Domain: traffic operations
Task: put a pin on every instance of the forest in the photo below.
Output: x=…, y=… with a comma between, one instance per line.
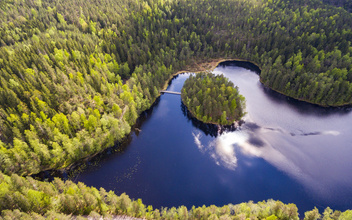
x=74, y=79
x=76, y=74
x=346, y=4
x=213, y=99
x=26, y=198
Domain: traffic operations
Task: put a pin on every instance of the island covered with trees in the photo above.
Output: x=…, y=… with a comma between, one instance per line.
x=73, y=80
x=213, y=99
x=76, y=74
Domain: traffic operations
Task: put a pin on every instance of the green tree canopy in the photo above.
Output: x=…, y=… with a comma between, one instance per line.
x=213, y=99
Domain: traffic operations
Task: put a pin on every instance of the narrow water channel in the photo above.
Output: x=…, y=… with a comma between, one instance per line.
x=286, y=150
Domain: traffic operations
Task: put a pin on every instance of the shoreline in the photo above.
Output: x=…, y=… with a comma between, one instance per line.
x=304, y=100
x=196, y=67
x=213, y=63
x=203, y=66
x=214, y=129
x=210, y=123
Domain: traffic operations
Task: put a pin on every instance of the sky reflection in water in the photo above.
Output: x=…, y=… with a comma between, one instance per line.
x=287, y=150
x=305, y=141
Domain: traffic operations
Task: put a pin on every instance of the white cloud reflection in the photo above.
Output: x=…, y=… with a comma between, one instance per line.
x=255, y=141
x=224, y=152
x=197, y=141
x=222, y=149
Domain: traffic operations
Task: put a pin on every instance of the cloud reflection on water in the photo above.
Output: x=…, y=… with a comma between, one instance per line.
x=309, y=143
x=221, y=149
x=255, y=141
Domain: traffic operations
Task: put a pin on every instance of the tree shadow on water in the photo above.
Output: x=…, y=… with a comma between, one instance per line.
x=109, y=153
x=302, y=107
x=212, y=130
x=243, y=64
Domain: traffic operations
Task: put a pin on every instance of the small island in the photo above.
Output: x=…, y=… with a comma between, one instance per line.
x=213, y=99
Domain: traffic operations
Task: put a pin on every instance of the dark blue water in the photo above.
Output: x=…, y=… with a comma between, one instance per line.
x=286, y=150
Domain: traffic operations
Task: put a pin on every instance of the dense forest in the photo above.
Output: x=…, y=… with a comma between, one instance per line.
x=75, y=74
x=213, y=99
x=27, y=198
x=346, y=4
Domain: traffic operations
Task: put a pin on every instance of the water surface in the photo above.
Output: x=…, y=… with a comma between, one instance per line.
x=286, y=150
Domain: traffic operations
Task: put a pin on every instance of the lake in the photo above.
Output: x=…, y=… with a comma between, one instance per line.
x=286, y=150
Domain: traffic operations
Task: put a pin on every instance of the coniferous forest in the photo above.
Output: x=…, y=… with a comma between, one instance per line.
x=76, y=74
x=213, y=99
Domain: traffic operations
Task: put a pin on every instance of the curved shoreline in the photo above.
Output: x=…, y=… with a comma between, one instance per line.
x=304, y=100
x=216, y=62
x=211, y=66
x=214, y=129
x=63, y=171
x=201, y=67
